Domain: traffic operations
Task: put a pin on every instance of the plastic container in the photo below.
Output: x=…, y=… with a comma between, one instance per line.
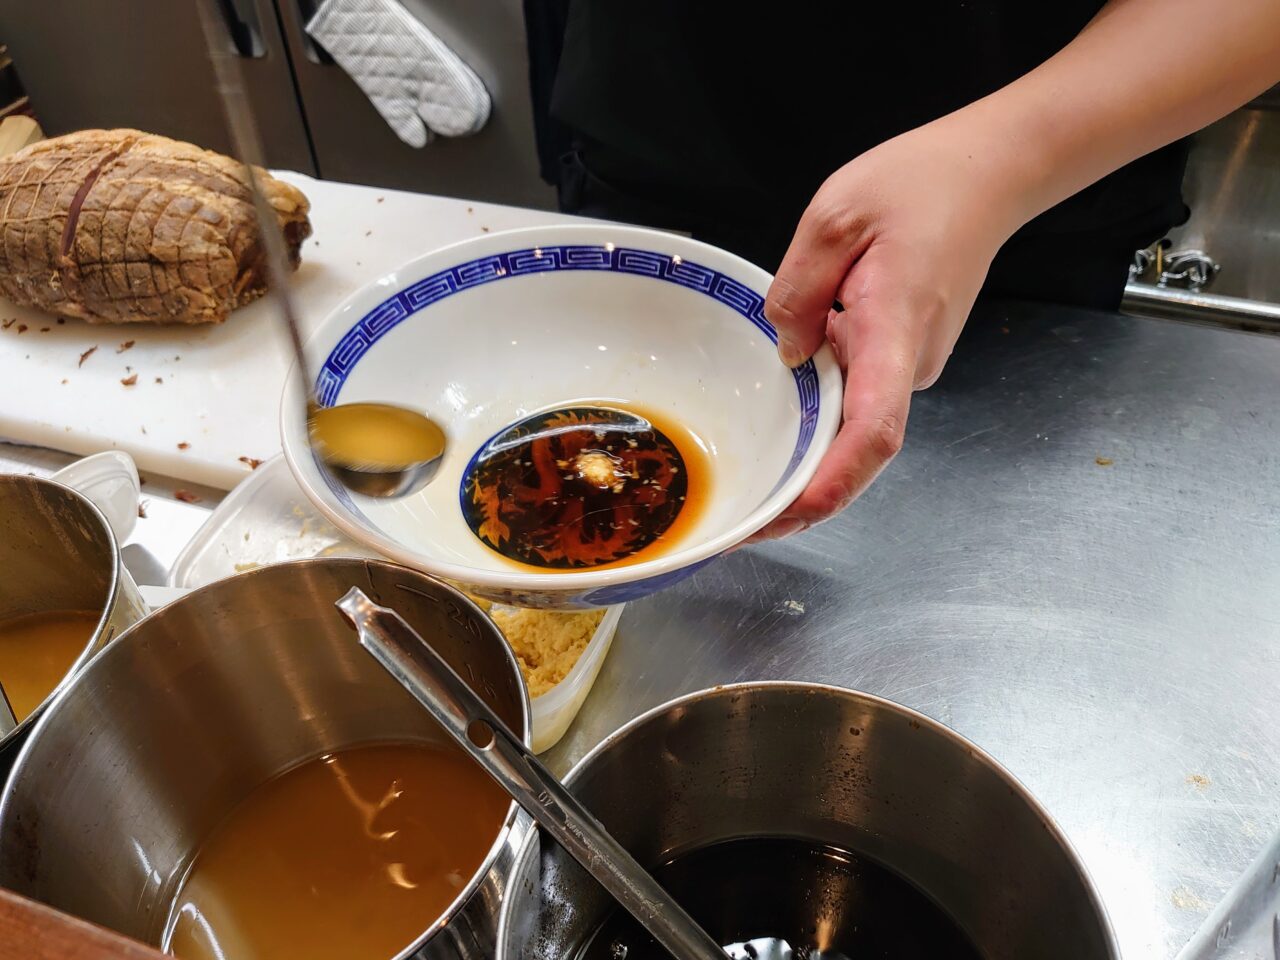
x=268, y=519
x=265, y=519
x=110, y=481
x=555, y=709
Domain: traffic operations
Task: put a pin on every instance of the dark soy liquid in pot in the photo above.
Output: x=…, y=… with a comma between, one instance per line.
x=584, y=487
x=816, y=898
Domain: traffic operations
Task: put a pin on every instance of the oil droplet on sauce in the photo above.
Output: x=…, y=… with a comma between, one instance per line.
x=349, y=856
x=585, y=487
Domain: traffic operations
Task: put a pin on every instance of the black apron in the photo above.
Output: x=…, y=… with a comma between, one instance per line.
x=721, y=119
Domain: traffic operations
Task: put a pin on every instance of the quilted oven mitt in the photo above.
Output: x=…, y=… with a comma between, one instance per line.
x=418, y=85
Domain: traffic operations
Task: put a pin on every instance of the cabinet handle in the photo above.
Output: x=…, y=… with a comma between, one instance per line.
x=241, y=18
x=313, y=51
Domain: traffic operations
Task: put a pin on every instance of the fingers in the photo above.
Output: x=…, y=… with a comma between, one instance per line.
x=779, y=529
x=936, y=350
x=877, y=398
x=836, y=329
x=827, y=241
x=881, y=344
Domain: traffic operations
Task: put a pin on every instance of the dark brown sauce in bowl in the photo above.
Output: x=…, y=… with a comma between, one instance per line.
x=585, y=487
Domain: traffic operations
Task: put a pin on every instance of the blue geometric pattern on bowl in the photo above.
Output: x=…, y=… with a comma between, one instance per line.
x=375, y=324
x=626, y=592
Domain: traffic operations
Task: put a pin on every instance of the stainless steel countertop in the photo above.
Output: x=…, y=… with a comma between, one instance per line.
x=1075, y=562
x=1110, y=633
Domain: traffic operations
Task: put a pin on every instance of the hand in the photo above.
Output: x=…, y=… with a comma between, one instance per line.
x=902, y=237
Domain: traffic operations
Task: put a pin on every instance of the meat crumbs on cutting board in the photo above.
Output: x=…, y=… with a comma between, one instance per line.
x=547, y=644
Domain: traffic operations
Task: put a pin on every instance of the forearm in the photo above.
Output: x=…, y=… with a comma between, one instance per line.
x=1142, y=74
x=903, y=235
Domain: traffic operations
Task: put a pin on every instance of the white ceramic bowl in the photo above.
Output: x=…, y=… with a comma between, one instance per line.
x=482, y=333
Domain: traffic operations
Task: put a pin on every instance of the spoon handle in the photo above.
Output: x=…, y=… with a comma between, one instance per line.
x=8, y=721
x=468, y=719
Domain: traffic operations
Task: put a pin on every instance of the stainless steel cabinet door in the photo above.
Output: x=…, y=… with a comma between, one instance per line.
x=352, y=142
x=145, y=64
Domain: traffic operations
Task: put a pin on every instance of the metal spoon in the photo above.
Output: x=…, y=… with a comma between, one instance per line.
x=377, y=449
x=477, y=729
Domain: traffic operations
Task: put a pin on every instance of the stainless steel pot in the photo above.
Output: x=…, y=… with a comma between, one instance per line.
x=186, y=713
x=827, y=765
x=57, y=552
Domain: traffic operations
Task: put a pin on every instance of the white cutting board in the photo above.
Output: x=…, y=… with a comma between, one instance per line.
x=220, y=389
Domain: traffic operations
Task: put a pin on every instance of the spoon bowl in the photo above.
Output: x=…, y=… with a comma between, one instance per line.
x=377, y=449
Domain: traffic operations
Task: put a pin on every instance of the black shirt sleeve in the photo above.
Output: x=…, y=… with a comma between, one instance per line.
x=545, y=22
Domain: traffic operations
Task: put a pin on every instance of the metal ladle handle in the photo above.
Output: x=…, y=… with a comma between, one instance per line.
x=468, y=719
x=247, y=144
x=8, y=719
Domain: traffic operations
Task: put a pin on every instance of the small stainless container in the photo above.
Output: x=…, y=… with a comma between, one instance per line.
x=57, y=552
x=827, y=765
x=185, y=714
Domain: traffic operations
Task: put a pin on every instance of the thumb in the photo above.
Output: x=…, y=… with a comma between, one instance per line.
x=825, y=246
x=401, y=117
